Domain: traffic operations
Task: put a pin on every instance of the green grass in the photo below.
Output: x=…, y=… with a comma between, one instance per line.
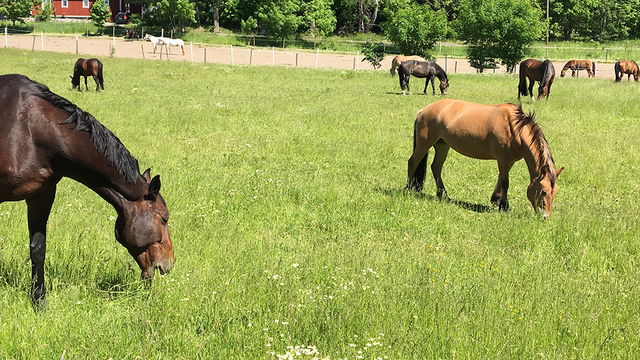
x=291, y=226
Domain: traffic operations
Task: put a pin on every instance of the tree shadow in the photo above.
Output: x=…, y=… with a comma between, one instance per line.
x=478, y=208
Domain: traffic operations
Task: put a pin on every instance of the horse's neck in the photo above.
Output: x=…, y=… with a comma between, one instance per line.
x=531, y=153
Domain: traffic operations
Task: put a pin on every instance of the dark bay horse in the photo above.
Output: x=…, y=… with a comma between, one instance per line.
x=43, y=138
x=402, y=58
x=499, y=132
x=91, y=67
x=628, y=67
x=542, y=71
x=422, y=69
x=576, y=65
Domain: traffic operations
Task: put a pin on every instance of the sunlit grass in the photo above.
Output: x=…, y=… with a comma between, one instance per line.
x=291, y=226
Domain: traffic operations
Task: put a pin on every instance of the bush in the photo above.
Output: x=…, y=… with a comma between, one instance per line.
x=373, y=53
x=46, y=12
x=416, y=29
x=100, y=13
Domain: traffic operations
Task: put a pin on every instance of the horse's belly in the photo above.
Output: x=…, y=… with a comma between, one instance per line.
x=476, y=148
x=15, y=186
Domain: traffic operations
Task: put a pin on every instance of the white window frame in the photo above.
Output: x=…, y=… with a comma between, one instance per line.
x=85, y=4
x=65, y=3
x=106, y=2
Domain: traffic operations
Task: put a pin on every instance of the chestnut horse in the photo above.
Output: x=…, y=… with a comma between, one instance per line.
x=542, y=71
x=43, y=138
x=576, y=65
x=628, y=67
x=499, y=132
x=91, y=67
x=402, y=58
x=422, y=69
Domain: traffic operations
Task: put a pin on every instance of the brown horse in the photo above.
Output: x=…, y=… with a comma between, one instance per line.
x=91, y=67
x=628, y=67
x=422, y=69
x=500, y=132
x=43, y=138
x=402, y=58
x=542, y=71
x=576, y=65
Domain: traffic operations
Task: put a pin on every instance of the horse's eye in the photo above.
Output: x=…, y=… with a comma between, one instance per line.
x=165, y=221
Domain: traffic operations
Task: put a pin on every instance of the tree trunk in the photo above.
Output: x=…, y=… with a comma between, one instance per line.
x=374, y=15
x=216, y=17
x=361, y=16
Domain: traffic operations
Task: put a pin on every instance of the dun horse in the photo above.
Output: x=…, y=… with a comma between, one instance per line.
x=402, y=58
x=544, y=72
x=576, y=65
x=628, y=67
x=43, y=138
x=422, y=69
x=500, y=132
x=91, y=67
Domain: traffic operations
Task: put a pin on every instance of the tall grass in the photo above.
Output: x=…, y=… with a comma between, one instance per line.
x=291, y=226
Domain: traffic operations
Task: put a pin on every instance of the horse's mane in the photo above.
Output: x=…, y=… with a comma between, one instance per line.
x=439, y=70
x=542, y=153
x=102, y=138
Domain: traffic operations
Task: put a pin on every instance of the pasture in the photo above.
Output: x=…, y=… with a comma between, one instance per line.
x=291, y=227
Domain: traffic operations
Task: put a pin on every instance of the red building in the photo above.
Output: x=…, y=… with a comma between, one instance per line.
x=80, y=8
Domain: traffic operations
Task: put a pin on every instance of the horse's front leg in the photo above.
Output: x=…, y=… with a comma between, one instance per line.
x=442, y=149
x=426, y=83
x=531, y=84
x=433, y=86
x=85, y=83
x=38, y=209
x=499, y=196
x=95, y=78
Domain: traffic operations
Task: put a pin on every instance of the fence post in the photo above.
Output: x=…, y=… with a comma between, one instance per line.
x=456, y=68
x=205, y=55
x=41, y=40
x=232, y=59
x=273, y=55
x=296, y=59
x=143, y=32
x=162, y=33
x=33, y=46
x=76, y=44
x=354, y=63
x=6, y=37
x=142, y=48
x=167, y=47
x=316, y=58
x=250, y=56
x=113, y=31
x=161, y=49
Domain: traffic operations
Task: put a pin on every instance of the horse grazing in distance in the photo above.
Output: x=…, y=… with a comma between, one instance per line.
x=499, y=132
x=130, y=34
x=43, y=138
x=91, y=67
x=154, y=40
x=628, y=67
x=422, y=69
x=542, y=71
x=576, y=65
x=402, y=58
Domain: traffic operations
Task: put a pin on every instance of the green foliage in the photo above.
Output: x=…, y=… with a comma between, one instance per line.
x=100, y=13
x=172, y=14
x=15, y=10
x=416, y=29
x=319, y=17
x=373, y=53
x=280, y=18
x=45, y=12
x=499, y=29
x=249, y=26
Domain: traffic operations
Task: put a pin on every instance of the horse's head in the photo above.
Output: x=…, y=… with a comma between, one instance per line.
x=142, y=228
x=564, y=71
x=146, y=37
x=75, y=81
x=444, y=85
x=542, y=191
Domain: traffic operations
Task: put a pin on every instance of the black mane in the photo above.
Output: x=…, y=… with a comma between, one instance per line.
x=538, y=141
x=104, y=140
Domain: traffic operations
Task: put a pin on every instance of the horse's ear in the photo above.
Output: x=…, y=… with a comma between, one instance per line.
x=154, y=187
x=147, y=175
x=558, y=172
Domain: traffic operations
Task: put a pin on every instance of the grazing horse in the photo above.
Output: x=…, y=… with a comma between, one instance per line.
x=174, y=42
x=91, y=67
x=154, y=40
x=628, y=67
x=544, y=72
x=130, y=34
x=422, y=69
x=500, y=132
x=395, y=63
x=43, y=138
x=576, y=65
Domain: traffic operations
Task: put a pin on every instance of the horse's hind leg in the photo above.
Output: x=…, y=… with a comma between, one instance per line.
x=85, y=83
x=531, y=85
x=442, y=149
x=499, y=196
x=417, y=164
x=95, y=78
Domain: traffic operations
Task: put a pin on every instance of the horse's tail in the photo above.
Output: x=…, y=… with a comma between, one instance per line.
x=394, y=65
x=616, y=69
x=417, y=181
x=100, y=78
x=522, y=85
x=593, y=68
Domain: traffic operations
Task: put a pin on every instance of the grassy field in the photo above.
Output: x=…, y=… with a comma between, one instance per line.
x=291, y=227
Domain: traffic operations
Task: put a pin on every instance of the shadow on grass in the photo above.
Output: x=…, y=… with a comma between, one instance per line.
x=478, y=208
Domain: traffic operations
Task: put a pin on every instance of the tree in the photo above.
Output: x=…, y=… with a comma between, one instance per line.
x=100, y=13
x=175, y=14
x=15, y=10
x=356, y=15
x=373, y=53
x=499, y=29
x=45, y=12
x=319, y=17
x=416, y=29
x=280, y=18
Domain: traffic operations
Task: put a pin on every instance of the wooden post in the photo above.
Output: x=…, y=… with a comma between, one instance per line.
x=76, y=44
x=6, y=37
x=171, y=34
x=456, y=68
x=250, y=56
x=232, y=60
x=162, y=33
x=296, y=59
x=113, y=31
x=142, y=48
x=354, y=63
x=33, y=46
x=167, y=47
x=161, y=50
x=205, y=55
x=143, y=32
x=273, y=55
x=316, y=58
x=110, y=50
